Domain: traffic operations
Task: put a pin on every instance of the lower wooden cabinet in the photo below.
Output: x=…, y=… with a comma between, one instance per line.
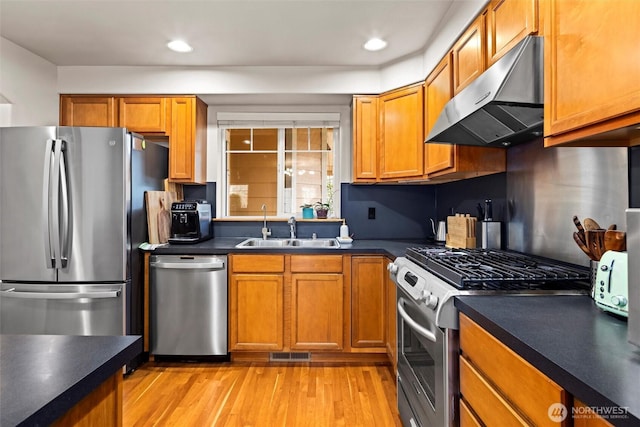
x=368, y=296
x=392, y=331
x=501, y=388
x=101, y=407
x=328, y=304
x=317, y=312
x=257, y=312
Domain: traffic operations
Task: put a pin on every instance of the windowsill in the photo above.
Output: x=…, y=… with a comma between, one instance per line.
x=272, y=219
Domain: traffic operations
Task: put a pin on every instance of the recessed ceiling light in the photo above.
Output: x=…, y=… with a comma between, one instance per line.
x=375, y=44
x=179, y=46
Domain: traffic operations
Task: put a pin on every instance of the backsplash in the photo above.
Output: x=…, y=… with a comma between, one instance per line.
x=547, y=186
x=401, y=211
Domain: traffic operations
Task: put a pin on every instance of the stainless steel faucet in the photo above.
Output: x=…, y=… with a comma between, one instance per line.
x=265, y=231
x=292, y=227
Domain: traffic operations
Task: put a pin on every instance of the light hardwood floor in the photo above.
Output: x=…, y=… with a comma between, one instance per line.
x=260, y=394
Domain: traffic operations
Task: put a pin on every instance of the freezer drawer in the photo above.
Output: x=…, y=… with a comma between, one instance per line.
x=62, y=309
x=188, y=305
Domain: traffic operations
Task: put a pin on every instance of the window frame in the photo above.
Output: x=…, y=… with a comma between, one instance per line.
x=281, y=126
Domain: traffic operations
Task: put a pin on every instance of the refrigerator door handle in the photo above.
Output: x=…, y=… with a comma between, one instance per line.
x=11, y=293
x=46, y=201
x=54, y=204
x=66, y=230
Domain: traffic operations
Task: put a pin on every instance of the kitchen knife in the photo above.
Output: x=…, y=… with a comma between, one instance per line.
x=582, y=245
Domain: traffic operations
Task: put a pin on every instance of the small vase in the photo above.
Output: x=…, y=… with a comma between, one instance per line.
x=322, y=213
x=307, y=213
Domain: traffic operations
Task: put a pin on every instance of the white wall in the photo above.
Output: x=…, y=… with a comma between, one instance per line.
x=29, y=84
x=221, y=80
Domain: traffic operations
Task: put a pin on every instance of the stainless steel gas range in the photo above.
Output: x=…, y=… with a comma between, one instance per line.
x=428, y=279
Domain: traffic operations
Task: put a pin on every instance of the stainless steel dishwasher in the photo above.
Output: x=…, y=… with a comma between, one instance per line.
x=188, y=305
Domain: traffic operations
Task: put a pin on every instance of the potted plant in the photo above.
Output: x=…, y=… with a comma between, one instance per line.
x=322, y=209
x=307, y=211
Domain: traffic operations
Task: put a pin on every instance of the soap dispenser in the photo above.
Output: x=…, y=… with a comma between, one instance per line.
x=344, y=230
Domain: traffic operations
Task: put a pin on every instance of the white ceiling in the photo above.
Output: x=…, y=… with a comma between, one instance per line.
x=222, y=32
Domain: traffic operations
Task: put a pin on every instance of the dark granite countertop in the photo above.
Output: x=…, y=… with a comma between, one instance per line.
x=580, y=347
x=43, y=376
x=226, y=245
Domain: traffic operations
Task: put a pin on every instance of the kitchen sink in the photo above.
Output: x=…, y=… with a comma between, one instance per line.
x=256, y=242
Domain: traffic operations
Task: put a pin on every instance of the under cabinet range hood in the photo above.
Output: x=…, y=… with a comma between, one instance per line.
x=503, y=106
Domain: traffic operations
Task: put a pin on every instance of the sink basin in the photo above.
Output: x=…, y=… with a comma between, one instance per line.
x=261, y=243
x=315, y=243
x=256, y=242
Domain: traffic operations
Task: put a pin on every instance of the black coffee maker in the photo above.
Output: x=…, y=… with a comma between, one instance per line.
x=190, y=221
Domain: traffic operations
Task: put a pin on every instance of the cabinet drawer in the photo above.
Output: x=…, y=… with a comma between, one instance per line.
x=527, y=388
x=316, y=263
x=467, y=417
x=257, y=263
x=490, y=406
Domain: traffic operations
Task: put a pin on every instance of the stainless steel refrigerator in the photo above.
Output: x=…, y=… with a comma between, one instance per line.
x=71, y=218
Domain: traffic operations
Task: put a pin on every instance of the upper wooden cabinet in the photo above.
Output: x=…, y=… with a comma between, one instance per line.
x=591, y=69
x=188, y=140
x=143, y=114
x=365, y=138
x=469, y=54
x=401, y=134
x=182, y=119
x=446, y=162
x=508, y=22
x=88, y=111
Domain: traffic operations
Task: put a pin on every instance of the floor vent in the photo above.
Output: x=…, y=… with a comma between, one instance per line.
x=290, y=357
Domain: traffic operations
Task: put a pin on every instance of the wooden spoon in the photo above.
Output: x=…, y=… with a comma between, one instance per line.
x=580, y=228
x=615, y=240
x=582, y=245
x=595, y=242
x=590, y=224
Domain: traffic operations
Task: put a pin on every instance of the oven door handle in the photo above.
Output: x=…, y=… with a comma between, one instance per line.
x=414, y=325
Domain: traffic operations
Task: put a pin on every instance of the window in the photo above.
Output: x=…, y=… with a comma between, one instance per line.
x=281, y=167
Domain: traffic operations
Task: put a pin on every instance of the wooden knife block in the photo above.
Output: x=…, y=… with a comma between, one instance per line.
x=461, y=231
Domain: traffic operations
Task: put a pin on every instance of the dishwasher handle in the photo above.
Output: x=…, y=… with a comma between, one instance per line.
x=214, y=264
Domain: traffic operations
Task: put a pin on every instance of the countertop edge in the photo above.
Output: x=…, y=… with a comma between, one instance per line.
x=565, y=379
x=73, y=395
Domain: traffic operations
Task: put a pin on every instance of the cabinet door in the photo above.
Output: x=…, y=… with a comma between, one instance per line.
x=87, y=111
x=591, y=67
x=143, y=114
x=439, y=89
x=317, y=312
x=368, y=297
x=188, y=140
x=392, y=345
x=469, y=55
x=401, y=133
x=256, y=315
x=590, y=420
x=508, y=22
x=365, y=138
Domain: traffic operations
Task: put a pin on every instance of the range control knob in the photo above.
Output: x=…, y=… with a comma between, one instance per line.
x=619, y=300
x=430, y=300
x=392, y=268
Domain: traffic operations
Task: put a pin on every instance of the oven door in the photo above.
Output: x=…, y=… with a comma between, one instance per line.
x=422, y=391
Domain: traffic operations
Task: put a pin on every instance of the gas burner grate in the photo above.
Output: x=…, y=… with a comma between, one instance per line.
x=496, y=270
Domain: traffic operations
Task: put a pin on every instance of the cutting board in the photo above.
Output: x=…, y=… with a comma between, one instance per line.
x=159, y=215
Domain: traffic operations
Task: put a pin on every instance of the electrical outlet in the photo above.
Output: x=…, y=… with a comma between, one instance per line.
x=372, y=213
